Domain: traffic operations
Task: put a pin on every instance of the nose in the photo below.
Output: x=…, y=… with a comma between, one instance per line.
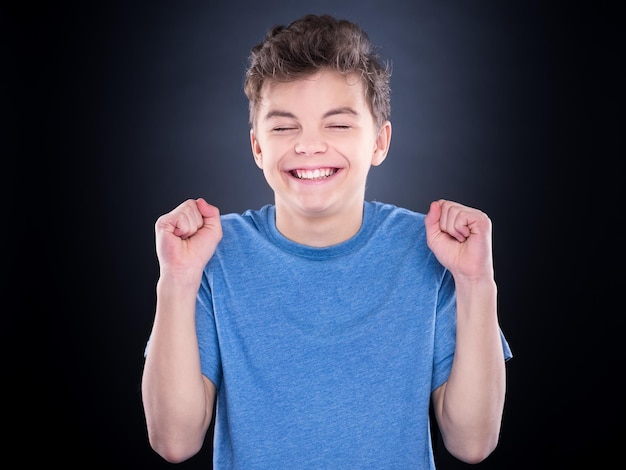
x=310, y=143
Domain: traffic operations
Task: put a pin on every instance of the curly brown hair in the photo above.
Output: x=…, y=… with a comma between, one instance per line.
x=314, y=42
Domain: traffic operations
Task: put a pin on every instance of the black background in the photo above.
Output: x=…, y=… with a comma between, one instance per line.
x=114, y=112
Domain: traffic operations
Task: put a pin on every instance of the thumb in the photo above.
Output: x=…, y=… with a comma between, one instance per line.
x=206, y=209
x=210, y=218
x=431, y=221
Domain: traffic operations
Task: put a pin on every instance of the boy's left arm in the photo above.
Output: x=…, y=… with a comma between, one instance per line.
x=469, y=406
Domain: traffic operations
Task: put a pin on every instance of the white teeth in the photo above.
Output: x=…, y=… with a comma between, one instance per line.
x=314, y=174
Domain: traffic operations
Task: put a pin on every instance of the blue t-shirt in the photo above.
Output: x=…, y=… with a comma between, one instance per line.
x=325, y=358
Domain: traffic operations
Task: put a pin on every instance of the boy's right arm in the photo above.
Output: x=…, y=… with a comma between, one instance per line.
x=177, y=398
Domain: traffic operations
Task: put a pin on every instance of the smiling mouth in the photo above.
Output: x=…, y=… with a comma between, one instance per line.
x=317, y=174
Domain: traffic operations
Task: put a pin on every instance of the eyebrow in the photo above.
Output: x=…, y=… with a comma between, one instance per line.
x=332, y=112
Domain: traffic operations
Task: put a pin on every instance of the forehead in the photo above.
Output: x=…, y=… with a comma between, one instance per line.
x=326, y=87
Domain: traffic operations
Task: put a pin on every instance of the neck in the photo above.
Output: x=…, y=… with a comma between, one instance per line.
x=319, y=230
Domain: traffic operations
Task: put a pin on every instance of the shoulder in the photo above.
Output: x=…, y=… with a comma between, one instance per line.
x=390, y=215
x=388, y=208
x=247, y=220
x=396, y=228
x=245, y=230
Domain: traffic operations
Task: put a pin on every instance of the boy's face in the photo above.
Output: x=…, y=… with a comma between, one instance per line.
x=315, y=140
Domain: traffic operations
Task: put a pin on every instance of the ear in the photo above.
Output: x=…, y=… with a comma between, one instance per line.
x=381, y=146
x=256, y=150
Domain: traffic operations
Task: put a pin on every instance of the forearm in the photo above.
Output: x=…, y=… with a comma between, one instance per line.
x=177, y=406
x=471, y=409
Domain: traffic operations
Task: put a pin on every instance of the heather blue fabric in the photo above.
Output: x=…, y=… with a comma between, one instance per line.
x=325, y=357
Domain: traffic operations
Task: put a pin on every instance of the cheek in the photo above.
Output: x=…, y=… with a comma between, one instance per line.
x=362, y=156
